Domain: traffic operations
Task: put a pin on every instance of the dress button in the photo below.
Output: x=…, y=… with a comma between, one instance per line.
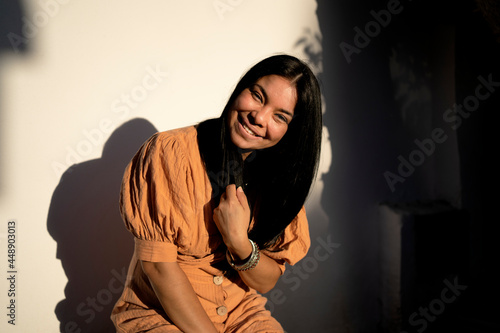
x=222, y=310
x=218, y=280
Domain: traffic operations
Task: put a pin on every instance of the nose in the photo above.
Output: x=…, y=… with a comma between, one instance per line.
x=260, y=117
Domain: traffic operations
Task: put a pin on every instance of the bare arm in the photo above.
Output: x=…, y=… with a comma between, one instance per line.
x=232, y=217
x=177, y=296
x=262, y=277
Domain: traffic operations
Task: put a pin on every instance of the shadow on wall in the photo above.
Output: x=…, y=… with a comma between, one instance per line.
x=12, y=35
x=92, y=243
x=11, y=14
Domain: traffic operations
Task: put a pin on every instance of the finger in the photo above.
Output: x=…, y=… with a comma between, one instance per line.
x=242, y=198
x=231, y=191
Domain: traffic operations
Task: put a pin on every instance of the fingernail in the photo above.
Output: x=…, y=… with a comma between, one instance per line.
x=240, y=189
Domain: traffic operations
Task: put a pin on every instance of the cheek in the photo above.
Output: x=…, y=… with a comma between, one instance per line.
x=278, y=131
x=244, y=102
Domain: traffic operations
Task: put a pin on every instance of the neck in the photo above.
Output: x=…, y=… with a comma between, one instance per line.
x=245, y=153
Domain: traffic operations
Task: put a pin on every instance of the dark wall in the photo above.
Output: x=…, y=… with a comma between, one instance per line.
x=478, y=60
x=382, y=94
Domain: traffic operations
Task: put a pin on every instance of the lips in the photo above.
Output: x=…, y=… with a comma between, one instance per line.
x=247, y=129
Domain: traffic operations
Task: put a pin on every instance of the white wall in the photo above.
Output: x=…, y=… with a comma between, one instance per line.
x=87, y=70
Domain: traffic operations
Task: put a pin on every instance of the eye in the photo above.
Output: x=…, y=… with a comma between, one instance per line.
x=282, y=118
x=256, y=95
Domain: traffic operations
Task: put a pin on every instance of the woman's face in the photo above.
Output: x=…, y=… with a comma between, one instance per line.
x=260, y=115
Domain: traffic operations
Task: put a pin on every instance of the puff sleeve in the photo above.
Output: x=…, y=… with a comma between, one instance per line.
x=294, y=243
x=154, y=202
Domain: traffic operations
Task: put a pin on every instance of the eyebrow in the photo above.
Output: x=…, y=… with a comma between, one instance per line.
x=265, y=97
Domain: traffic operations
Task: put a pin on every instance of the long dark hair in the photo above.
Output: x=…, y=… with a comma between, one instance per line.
x=276, y=180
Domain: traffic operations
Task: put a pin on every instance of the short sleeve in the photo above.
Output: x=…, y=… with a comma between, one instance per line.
x=293, y=244
x=153, y=201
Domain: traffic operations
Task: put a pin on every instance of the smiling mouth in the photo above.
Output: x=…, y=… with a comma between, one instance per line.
x=248, y=130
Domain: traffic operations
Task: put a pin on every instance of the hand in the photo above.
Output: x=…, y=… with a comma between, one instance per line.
x=232, y=218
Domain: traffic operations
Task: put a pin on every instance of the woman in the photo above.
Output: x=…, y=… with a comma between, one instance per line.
x=217, y=209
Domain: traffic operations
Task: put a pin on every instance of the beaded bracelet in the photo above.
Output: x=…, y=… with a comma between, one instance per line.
x=251, y=262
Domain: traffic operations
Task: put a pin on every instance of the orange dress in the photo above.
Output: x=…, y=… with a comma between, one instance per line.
x=166, y=204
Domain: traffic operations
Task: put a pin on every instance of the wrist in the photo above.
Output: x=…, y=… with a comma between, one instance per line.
x=240, y=250
x=249, y=263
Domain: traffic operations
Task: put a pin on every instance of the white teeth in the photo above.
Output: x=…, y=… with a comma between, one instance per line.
x=249, y=130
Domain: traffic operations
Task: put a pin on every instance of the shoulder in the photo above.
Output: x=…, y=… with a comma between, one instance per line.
x=180, y=136
x=177, y=143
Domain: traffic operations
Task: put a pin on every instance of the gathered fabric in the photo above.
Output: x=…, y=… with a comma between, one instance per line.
x=166, y=204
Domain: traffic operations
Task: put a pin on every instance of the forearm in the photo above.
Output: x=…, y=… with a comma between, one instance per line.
x=232, y=218
x=263, y=276
x=177, y=297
